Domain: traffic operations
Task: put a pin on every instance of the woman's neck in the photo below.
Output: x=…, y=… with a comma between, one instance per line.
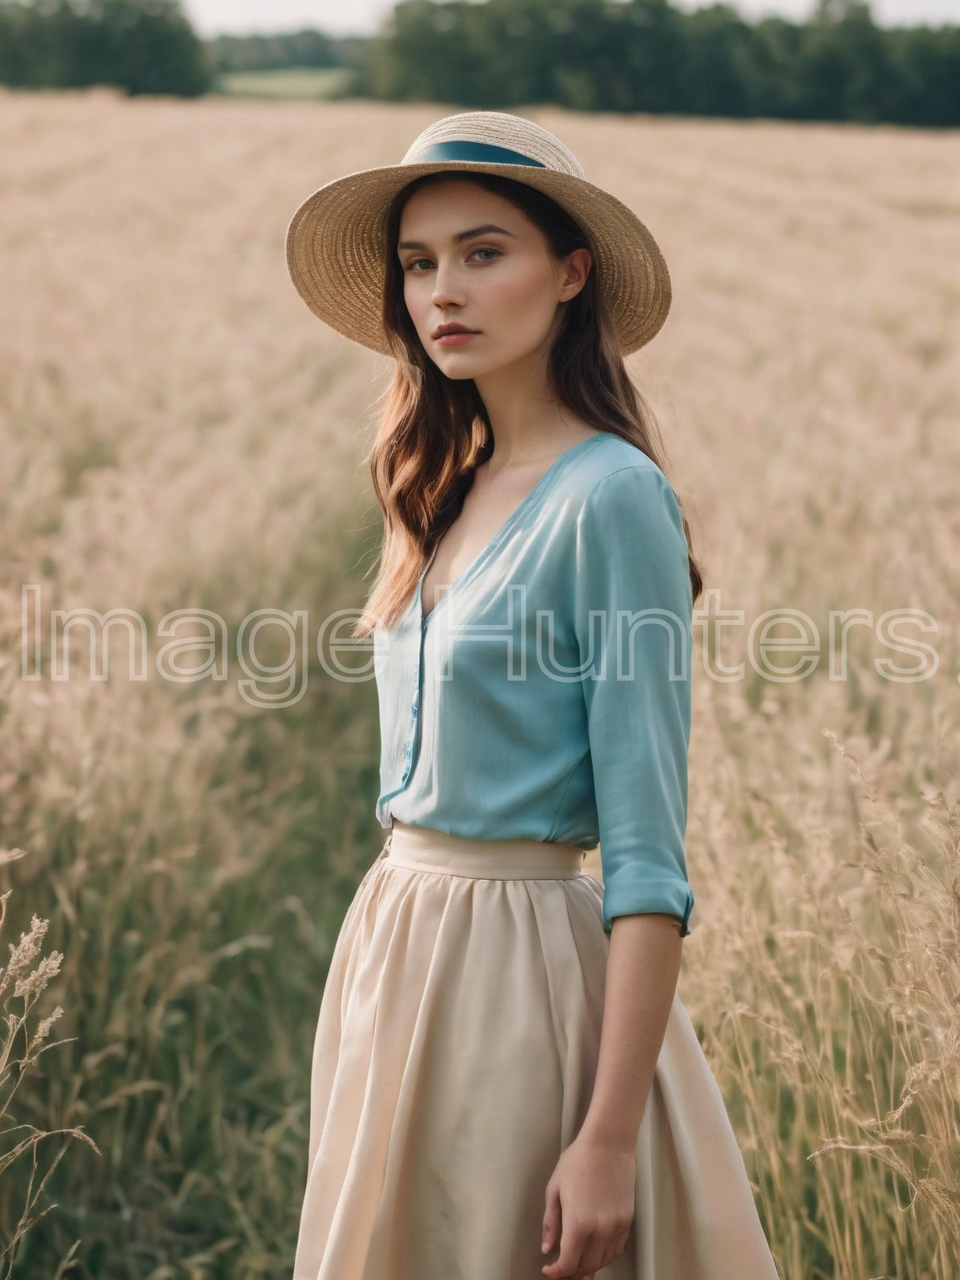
x=526, y=418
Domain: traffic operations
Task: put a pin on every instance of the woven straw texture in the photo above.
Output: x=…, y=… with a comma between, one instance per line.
x=336, y=243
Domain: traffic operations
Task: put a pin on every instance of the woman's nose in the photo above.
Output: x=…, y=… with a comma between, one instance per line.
x=447, y=287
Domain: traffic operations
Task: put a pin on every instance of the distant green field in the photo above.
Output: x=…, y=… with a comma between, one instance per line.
x=288, y=82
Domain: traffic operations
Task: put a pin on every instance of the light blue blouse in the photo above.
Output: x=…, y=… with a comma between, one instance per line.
x=547, y=693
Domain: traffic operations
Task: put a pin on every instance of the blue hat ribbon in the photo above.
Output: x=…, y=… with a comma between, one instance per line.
x=477, y=152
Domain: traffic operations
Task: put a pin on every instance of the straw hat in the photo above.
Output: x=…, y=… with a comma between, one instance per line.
x=336, y=241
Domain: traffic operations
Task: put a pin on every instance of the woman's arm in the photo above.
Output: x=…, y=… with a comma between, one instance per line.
x=643, y=966
x=632, y=609
x=594, y=1181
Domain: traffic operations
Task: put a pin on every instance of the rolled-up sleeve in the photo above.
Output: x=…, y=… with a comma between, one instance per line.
x=632, y=617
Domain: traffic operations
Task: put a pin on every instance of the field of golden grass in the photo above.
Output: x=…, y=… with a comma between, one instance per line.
x=176, y=431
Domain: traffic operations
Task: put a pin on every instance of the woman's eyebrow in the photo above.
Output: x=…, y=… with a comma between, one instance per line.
x=485, y=230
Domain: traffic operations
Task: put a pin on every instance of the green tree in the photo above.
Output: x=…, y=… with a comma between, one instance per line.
x=926, y=76
x=142, y=46
x=722, y=63
x=846, y=71
x=586, y=54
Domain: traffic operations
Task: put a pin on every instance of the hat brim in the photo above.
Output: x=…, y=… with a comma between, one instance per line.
x=335, y=248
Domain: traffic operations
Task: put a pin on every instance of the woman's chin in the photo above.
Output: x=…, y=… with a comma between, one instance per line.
x=459, y=367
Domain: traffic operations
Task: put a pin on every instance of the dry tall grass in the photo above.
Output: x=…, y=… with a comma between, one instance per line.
x=24, y=1040
x=175, y=430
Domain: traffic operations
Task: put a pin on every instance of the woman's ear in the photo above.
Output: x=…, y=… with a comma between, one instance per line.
x=576, y=268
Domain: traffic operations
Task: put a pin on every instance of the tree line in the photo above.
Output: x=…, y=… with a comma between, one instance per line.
x=588, y=55
x=286, y=49
x=647, y=56
x=142, y=46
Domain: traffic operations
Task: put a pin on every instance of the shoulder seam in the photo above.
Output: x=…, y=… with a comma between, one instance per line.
x=645, y=466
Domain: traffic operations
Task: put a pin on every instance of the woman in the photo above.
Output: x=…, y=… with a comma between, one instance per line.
x=505, y=1083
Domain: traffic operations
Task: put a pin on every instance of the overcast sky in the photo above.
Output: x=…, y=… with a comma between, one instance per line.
x=362, y=16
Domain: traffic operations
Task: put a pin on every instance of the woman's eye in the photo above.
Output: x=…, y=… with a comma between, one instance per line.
x=494, y=253
x=418, y=264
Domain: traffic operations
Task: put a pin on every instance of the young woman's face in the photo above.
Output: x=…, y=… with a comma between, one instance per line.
x=479, y=280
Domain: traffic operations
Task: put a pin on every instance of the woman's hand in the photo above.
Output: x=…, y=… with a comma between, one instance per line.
x=590, y=1204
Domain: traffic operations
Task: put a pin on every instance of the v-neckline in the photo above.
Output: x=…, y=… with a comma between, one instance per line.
x=501, y=532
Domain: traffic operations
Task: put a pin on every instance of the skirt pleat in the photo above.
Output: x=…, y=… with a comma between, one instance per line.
x=454, y=1060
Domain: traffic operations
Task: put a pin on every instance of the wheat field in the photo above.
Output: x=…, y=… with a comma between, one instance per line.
x=176, y=431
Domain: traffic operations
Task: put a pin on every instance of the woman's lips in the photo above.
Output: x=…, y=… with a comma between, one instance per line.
x=457, y=339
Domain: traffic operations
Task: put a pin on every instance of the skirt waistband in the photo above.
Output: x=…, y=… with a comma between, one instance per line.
x=425, y=849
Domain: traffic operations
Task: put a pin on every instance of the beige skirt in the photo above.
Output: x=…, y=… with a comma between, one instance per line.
x=454, y=1059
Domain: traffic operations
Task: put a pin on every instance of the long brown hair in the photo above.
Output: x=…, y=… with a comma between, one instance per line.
x=434, y=430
